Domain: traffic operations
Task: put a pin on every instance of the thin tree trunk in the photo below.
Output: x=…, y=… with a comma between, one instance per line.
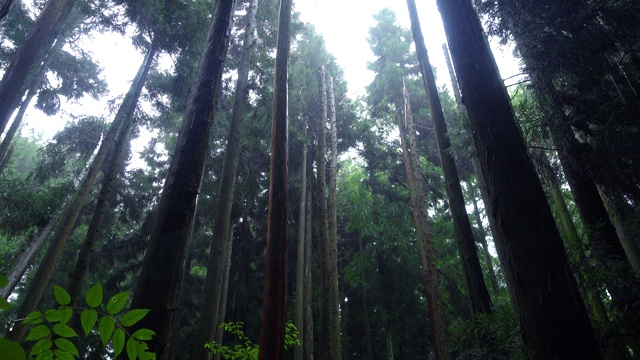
x=173, y=347
x=40, y=281
x=88, y=245
x=222, y=312
x=5, y=6
x=275, y=288
x=325, y=300
x=417, y=194
x=159, y=278
x=4, y=161
x=368, y=344
x=28, y=52
x=552, y=314
x=335, y=347
x=483, y=241
x=307, y=341
x=301, y=261
x=477, y=293
x=208, y=321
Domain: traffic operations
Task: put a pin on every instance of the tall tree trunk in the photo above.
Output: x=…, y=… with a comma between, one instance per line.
x=477, y=293
x=307, y=341
x=158, y=282
x=552, y=314
x=275, y=288
x=301, y=261
x=226, y=273
x=173, y=347
x=483, y=241
x=208, y=321
x=323, y=251
x=28, y=52
x=5, y=6
x=121, y=121
x=417, y=193
x=88, y=245
x=365, y=307
x=335, y=347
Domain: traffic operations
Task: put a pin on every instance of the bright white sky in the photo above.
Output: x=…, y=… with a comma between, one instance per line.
x=343, y=23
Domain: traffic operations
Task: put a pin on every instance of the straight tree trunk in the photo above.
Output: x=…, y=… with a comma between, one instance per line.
x=5, y=6
x=368, y=344
x=335, y=348
x=173, y=348
x=208, y=321
x=222, y=312
x=274, y=306
x=323, y=251
x=307, y=341
x=16, y=74
x=552, y=314
x=45, y=270
x=88, y=245
x=477, y=293
x=483, y=241
x=301, y=261
x=158, y=283
x=417, y=193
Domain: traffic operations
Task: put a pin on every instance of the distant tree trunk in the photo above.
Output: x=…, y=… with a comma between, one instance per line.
x=552, y=314
x=28, y=52
x=477, y=293
x=365, y=307
x=121, y=121
x=158, y=282
x=173, y=348
x=5, y=6
x=417, y=193
x=275, y=288
x=122, y=140
x=335, y=347
x=208, y=321
x=325, y=300
x=483, y=241
x=226, y=273
x=4, y=161
x=307, y=341
x=302, y=236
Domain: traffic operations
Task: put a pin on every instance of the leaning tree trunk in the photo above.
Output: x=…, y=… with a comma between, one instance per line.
x=274, y=306
x=417, y=193
x=71, y=213
x=158, y=283
x=28, y=52
x=208, y=321
x=323, y=250
x=335, y=348
x=552, y=314
x=477, y=293
x=300, y=260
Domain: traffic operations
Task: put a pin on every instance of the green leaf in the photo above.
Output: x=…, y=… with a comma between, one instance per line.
x=62, y=296
x=33, y=318
x=61, y=315
x=38, y=333
x=133, y=316
x=11, y=350
x=88, y=320
x=3, y=281
x=118, y=341
x=105, y=327
x=47, y=355
x=132, y=349
x=64, y=331
x=66, y=345
x=40, y=347
x=4, y=304
x=143, y=334
x=61, y=354
x=94, y=296
x=117, y=302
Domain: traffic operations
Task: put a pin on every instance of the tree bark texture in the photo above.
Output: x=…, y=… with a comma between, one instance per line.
x=482, y=235
x=368, y=344
x=307, y=341
x=552, y=314
x=477, y=293
x=16, y=74
x=301, y=261
x=274, y=306
x=158, y=282
x=323, y=249
x=208, y=321
x=121, y=121
x=332, y=224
